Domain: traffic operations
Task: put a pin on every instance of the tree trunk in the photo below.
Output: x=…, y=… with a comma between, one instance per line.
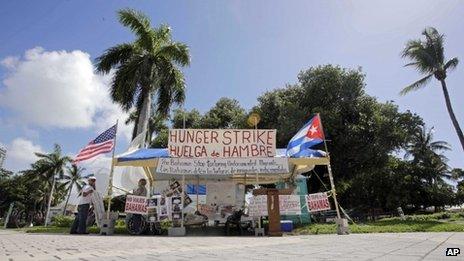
x=144, y=115
x=69, y=195
x=451, y=113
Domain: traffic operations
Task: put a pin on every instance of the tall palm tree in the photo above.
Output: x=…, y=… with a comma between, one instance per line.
x=429, y=59
x=73, y=177
x=49, y=165
x=146, y=67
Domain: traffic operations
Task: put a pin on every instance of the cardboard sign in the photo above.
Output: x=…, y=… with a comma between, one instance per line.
x=220, y=166
x=227, y=143
x=136, y=204
x=288, y=205
x=318, y=202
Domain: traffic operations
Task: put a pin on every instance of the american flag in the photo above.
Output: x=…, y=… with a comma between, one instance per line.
x=102, y=144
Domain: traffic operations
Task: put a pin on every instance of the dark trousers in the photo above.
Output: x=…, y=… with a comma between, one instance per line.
x=79, y=225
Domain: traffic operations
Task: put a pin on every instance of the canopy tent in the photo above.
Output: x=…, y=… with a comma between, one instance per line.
x=148, y=160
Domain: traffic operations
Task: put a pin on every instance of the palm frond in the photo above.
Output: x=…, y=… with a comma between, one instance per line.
x=434, y=44
x=125, y=83
x=440, y=145
x=114, y=56
x=139, y=23
x=177, y=52
x=416, y=85
x=451, y=64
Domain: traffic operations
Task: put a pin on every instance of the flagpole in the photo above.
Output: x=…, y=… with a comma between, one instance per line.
x=110, y=181
x=329, y=168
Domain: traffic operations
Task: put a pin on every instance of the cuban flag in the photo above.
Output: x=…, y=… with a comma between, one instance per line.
x=310, y=135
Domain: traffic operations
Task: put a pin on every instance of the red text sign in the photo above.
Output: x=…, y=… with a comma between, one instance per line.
x=318, y=202
x=136, y=204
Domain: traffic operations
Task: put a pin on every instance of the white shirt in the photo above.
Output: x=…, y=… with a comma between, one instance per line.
x=86, y=199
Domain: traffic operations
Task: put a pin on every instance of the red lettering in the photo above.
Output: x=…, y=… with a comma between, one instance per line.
x=254, y=150
x=234, y=152
x=226, y=152
x=270, y=151
x=262, y=150
x=173, y=136
x=270, y=137
x=260, y=140
x=214, y=137
x=226, y=137
x=246, y=136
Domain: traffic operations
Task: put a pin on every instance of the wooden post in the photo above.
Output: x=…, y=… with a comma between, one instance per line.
x=273, y=208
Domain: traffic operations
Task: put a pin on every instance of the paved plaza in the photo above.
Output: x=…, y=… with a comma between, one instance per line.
x=406, y=246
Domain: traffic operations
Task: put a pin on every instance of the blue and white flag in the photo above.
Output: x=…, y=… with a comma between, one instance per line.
x=310, y=135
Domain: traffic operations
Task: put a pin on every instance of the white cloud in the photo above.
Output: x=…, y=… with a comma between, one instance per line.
x=59, y=89
x=20, y=153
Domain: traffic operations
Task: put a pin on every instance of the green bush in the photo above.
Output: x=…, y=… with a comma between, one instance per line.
x=62, y=221
x=120, y=223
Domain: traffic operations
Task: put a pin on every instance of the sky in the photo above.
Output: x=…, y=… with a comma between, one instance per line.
x=49, y=92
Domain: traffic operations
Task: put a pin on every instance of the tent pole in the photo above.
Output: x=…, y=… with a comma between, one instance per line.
x=182, y=202
x=198, y=188
x=110, y=181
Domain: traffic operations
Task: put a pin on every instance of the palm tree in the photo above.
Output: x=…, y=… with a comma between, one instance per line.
x=427, y=155
x=49, y=166
x=428, y=58
x=73, y=177
x=146, y=67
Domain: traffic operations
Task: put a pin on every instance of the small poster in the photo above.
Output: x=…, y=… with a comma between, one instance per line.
x=176, y=209
x=318, y=202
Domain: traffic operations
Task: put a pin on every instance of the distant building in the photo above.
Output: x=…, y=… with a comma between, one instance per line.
x=2, y=156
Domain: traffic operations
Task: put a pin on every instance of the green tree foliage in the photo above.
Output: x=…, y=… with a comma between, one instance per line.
x=363, y=135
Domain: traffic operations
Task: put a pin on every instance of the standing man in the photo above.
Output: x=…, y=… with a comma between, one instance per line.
x=79, y=225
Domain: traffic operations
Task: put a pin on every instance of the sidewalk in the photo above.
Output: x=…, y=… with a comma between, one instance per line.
x=405, y=246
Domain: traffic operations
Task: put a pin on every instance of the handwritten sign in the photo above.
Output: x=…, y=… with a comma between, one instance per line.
x=318, y=202
x=227, y=143
x=220, y=166
x=288, y=205
x=136, y=204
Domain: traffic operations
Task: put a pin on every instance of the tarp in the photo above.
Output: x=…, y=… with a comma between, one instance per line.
x=153, y=153
x=144, y=154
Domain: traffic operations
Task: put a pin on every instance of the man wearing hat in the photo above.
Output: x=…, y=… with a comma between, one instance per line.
x=79, y=225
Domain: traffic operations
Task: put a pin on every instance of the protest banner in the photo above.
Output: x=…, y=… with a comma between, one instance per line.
x=288, y=205
x=220, y=166
x=136, y=204
x=216, y=143
x=317, y=202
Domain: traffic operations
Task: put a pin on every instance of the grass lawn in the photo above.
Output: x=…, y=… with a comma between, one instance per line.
x=436, y=222
x=385, y=226
x=65, y=230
